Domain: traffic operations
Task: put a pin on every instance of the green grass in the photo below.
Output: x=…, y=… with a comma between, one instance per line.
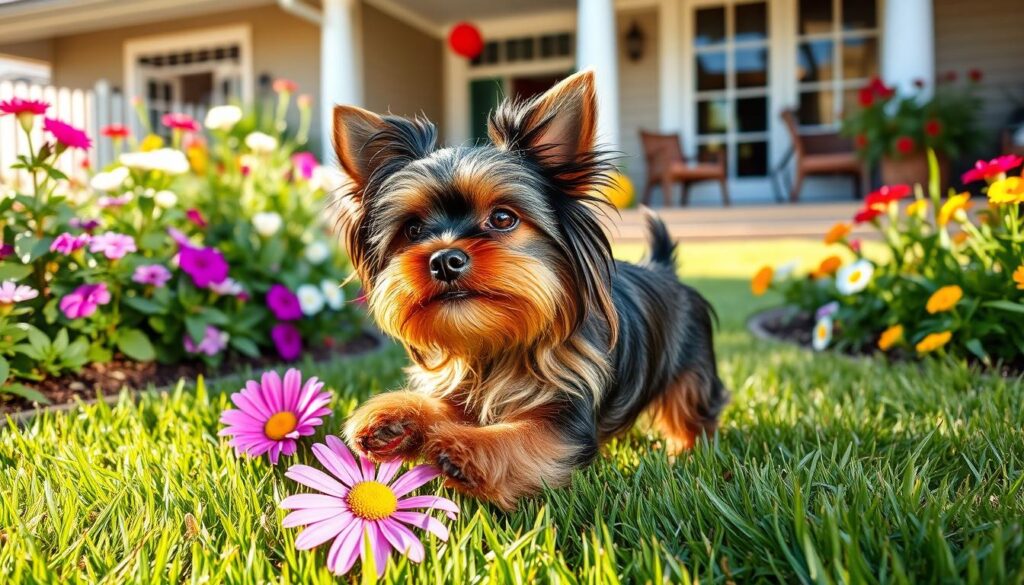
x=826, y=470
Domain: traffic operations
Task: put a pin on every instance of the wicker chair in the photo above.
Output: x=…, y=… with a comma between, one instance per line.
x=821, y=154
x=667, y=166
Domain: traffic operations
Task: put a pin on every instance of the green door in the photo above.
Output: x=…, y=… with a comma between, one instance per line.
x=484, y=95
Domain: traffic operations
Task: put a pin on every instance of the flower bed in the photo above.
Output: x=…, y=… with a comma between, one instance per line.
x=953, y=282
x=205, y=249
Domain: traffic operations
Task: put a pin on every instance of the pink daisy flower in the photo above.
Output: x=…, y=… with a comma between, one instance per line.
x=183, y=122
x=984, y=170
x=113, y=245
x=356, y=500
x=273, y=413
x=19, y=106
x=67, y=134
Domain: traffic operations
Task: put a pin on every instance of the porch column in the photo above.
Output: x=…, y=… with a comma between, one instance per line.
x=596, y=48
x=908, y=44
x=341, y=74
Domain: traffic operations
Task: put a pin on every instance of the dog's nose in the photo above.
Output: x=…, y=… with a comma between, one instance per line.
x=448, y=265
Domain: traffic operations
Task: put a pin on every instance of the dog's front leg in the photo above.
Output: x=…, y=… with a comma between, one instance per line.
x=394, y=424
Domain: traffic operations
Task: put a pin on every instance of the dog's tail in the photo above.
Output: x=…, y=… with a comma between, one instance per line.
x=663, y=249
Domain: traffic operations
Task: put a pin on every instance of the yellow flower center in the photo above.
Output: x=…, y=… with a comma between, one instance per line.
x=280, y=425
x=855, y=276
x=822, y=332
x=372, y=500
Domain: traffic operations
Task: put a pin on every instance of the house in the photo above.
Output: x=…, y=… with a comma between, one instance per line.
x=718, y=72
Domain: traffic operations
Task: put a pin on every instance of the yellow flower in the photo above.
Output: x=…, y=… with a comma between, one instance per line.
x=944, y=299
x=838, y=233
x=1018, y=277
x=151, y=142
x=933, y=341
x=827, y=267
x=762, y=280
x=618, y=191
x=917, y=208
x=959, y=238
x=1006, y=191
x=953, y=205
x=890, y=337
x=197, y=158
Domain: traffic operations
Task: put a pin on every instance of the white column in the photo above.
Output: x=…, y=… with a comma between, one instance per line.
x=596, y=48
x=670, y=53
x=341, y=66
x=456, y=97
x=908, y=44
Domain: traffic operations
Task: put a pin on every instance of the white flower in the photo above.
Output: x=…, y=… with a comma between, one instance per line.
x=822, y=334
x=168, y=160
x=261, y=143
x=110, y=180
x=223, y=117
x=266, y=223
x=855, y=277
x=229, y=287
x=328, y=179
x=317, y=252
x=165, y=199
x=311, y=300
x=785, y=270
x=333, y=293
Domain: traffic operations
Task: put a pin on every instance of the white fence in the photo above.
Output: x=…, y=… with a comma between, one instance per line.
x=89, y=110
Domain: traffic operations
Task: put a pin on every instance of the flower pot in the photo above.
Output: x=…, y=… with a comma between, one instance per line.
x=913, y=169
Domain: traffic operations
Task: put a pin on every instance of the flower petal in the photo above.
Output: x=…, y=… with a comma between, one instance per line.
x=381, y=549
x=423, y=521
x=387, y=470
x=343, y=553
x=416, y=477
x=300, y=501
x=320, y=532
x=430, y=502
x=316, y=479
x=292, y=385
x=402, y=539
x=271, y=385
x=368, y=467
x=336, y=464
x=311, y=515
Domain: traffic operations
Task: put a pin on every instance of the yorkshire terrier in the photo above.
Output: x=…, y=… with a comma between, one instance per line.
x=530, y=345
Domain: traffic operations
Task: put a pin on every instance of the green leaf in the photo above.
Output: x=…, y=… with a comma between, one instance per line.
x=1005, y=306
x=25, y=392
x=5, y=369
x=134, y=344
x=196, y=327
x=246, y=346
x=144, y=305
x=55, y=174
x=975, y=347
x=14, y=271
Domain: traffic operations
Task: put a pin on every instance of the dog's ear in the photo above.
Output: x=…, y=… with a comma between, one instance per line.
x=556, y=127
x=368, y=145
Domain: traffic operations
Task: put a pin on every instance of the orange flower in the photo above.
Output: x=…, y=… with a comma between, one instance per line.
x=933, y=341
x=917, y=208
x=1018, y=277
x=827, y=267
x=838, y=233
x=953, y=206
x=944, y=299
x=890, y=337
x=959, y=238
x=762, y=280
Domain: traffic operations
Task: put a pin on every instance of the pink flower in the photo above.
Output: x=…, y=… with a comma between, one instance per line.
x=106, y=202
x=984, y=170
x=305, y=163
x=196, y=217
x=213, y=342
x=356, y=500
x=6, y=251
x=205, y=265
x=287, y=340
x=11, y=293
x=179, y=237
x=151, y=274
x=18, y=106
x=182, y=122
x=67, y=134
x=283, y=303
x=83, y=301
x=283, y=85
x=273, y=413
x=113, y=245
x=115, y=131
x=66, y=243
x=227, y=287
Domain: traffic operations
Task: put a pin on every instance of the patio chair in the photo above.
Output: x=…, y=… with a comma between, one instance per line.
x=667, y=166
x=818, y=154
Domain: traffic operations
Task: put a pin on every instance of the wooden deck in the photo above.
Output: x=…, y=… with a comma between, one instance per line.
x=805, y=220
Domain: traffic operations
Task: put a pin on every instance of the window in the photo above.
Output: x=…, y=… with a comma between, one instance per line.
x=837, y=53
x=521, y=49
x=730, y=48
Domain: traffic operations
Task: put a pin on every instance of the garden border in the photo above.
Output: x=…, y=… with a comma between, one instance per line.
x=24, y=417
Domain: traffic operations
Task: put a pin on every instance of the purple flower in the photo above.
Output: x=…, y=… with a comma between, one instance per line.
x=305, y=163
x=196, y=217
x=5, y=251
x=827, y=310
x=287, y=340
x=67, y=243
x=213, y=342
x=84, y=224
x=179, y=237
x=283, y=303
x=206, y=266
x=152, y=274
x=113, y=245
x=83, y=301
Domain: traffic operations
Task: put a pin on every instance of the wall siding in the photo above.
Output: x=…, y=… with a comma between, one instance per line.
x=638, y=92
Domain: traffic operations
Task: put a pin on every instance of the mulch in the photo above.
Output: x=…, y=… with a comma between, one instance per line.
x=109, y=378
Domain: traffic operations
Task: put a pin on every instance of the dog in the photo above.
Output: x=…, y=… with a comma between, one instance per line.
x=530, y=346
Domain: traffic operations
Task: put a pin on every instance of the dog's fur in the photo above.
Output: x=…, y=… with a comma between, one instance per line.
x=546, y=346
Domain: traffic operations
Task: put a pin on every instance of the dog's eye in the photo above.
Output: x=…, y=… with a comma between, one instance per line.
x=414, y=229
x=502, y=220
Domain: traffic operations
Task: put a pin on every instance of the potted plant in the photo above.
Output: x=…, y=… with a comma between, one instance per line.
x=896, y=130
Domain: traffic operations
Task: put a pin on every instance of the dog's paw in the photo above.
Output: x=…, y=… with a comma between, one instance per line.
x=453, y=471
x=385, y=433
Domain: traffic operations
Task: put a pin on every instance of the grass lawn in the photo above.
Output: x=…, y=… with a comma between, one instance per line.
x=826, y=470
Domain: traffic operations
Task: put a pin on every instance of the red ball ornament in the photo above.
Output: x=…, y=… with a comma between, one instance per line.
x=465, y=40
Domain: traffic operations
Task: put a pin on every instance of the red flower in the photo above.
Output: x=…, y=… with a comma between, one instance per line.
x=865, y=97
x=115, y=131
x=196, y=217
x=975, y=75
x=67, y=134
x=933, y=127
x=949, y=76
x=184, y=122
x=18, y=106
x=905, y=145
x=283, y=85
x=877, y=203
x=987, y=169
x=861, y=140
x=879, y=88
x=866, y=215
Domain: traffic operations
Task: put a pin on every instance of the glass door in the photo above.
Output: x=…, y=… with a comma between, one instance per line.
x=730, y=49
